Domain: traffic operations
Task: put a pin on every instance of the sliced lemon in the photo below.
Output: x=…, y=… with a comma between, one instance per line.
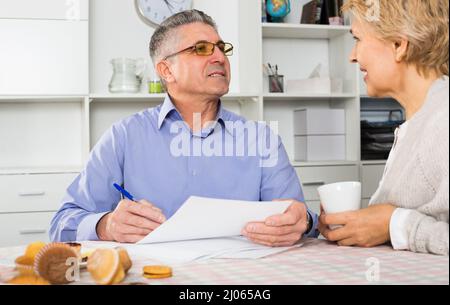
x=119, y=276
x=103, y=265
x=124, y=258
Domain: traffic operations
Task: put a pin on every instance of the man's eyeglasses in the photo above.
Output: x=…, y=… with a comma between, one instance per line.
x=206, y=48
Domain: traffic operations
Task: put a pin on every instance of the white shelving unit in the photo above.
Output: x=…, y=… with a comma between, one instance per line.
x=297, y=49
x=55, y=104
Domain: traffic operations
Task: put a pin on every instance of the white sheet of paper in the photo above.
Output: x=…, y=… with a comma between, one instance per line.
x=180, y=252
x=201, y=217
x=190, y=250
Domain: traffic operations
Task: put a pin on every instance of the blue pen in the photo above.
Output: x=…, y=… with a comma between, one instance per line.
x=124, y=192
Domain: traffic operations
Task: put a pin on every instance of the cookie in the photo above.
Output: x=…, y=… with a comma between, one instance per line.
x=157, y=276
x=157, y=271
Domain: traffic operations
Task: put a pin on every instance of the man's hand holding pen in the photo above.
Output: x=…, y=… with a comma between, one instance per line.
x=131, y=220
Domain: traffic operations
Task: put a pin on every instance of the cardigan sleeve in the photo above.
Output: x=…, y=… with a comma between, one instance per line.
x=425, y=233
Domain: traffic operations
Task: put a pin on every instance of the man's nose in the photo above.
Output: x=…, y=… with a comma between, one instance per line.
x=218, y=56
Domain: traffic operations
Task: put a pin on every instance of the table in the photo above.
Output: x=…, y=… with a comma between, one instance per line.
x=316, y=262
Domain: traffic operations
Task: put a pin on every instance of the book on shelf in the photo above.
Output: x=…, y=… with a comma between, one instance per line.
x=311, y=12
x=322, y=12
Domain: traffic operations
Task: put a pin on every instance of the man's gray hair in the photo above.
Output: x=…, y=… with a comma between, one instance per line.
x=159, y=41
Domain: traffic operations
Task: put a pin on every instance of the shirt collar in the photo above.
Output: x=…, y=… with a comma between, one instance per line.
x=167, y=107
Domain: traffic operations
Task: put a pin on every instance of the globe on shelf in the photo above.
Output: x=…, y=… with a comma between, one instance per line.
x=278, y=9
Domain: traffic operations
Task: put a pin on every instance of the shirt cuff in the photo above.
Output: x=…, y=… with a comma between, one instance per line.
x=87, y=229
x=397, y=229
x=314, y=232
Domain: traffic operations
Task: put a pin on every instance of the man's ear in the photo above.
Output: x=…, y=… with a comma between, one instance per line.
x=400, y=49
x=163, y=70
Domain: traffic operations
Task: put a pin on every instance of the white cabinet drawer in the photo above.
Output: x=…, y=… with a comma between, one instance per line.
x=315, y=176
x=44, y=57
x=370, y=179
x=33, y=193
x=24, y=228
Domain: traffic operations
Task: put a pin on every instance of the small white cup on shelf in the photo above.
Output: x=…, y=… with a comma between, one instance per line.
x=340, y=197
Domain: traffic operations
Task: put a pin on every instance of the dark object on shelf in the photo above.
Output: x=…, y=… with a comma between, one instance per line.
x=377, y=147
x=323, y=10
x=368, y=137
x=311, y=12
x=369, y=155
x=333, y=8
x=335, y=16
x=377, y=137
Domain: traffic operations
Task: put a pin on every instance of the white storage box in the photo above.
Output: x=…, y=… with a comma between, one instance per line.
x=319, y=148
x=319, y=122
x=315, y=85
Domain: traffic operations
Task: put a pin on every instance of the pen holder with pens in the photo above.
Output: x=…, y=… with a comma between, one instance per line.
x=276, y=83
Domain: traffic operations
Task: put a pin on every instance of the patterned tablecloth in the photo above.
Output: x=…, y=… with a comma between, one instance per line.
x=317, y=262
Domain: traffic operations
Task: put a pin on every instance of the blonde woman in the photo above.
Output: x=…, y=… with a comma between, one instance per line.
x=402, y=49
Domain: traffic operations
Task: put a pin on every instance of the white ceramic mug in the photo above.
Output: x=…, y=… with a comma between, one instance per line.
x=340, y=197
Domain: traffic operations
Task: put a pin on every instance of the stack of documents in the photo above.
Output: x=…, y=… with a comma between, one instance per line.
x=205, y=228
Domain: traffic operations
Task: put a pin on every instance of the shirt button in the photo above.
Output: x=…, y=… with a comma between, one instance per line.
x=194, y=173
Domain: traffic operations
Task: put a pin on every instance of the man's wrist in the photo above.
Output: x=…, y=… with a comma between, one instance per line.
x=101, y=228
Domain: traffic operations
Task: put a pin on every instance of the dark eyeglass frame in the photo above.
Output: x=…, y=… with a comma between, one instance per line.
x=195, y=47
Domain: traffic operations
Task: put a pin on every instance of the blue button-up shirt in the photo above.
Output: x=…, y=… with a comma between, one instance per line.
x=157, y=157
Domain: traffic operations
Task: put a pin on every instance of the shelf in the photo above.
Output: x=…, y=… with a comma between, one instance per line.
x=303, y=31
x=127, y=97
x=240, y=96
x=40, y=170
x=290, y=97
x=41, y=98
x=373, y=162
x=323, y=163
x=143, y=97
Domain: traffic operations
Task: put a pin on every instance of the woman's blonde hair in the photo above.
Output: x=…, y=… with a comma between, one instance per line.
x=423, y=22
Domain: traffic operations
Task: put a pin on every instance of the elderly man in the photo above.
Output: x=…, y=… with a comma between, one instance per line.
x=143, y=154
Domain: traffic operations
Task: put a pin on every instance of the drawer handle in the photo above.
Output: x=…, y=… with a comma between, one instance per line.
x=29, y=232
x=32, y=193
x=313, y=183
